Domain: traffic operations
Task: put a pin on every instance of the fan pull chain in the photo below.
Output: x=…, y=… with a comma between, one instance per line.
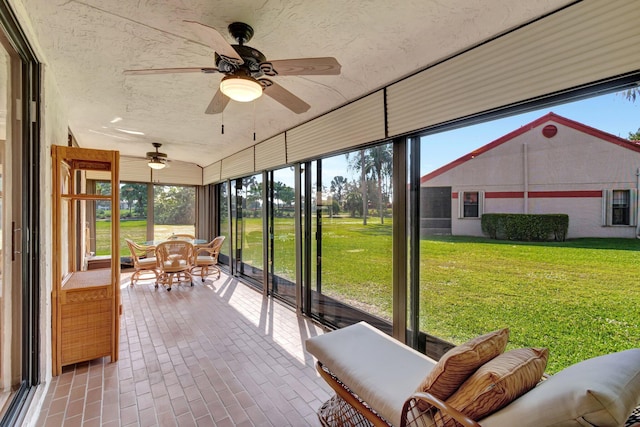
x=222, y=122
x=254, y=120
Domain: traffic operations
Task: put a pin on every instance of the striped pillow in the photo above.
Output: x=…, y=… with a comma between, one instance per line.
x=456, y=365
x=498, y=382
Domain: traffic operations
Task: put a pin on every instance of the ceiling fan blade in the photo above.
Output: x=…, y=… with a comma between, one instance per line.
x=214, y=39
x=205, y=70
x=284, y=97
x=218, y=103
x=302, y=67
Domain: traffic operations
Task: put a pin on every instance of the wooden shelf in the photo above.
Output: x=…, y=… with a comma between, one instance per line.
x=85, y=197
x=85, y=304
x=87, y=279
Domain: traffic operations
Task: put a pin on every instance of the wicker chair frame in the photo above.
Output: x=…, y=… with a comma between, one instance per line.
x=339, y=410
x=205, y=260
x=144, y=260
x=175, y=259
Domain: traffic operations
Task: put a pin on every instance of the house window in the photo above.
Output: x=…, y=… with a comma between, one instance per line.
x=620, y=212
x=470, y=204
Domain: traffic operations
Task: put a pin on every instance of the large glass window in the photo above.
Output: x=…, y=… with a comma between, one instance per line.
x=223, y=222
x=173, y=211
x=282, y=233
x=571, y=296
x=133, y=212
x=352, y=216
x=248, y=227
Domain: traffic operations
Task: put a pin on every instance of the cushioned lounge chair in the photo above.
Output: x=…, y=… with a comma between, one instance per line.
x=375, y=379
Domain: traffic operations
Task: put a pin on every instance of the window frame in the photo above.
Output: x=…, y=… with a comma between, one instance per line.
x=621, y=206
x=462, y=204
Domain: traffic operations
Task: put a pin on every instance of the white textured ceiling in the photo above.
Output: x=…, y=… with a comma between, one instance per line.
x=88, y=43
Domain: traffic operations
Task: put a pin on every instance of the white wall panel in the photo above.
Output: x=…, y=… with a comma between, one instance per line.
x=354, y=124
x=238, y=164
x=134, y=169
x=271, y=153
x=211, y=173
x=586, y=42
x=178, y=173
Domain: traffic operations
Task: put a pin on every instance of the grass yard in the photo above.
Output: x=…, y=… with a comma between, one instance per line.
x=579, y=298
x=135, y=230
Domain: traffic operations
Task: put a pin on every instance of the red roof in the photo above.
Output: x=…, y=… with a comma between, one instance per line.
x=549, y=117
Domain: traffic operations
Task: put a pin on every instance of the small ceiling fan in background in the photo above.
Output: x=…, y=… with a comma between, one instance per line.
x=156, y=159
x=245, y=69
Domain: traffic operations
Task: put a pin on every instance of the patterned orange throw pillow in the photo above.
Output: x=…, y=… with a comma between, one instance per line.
x=498, y=382
x=456, y=365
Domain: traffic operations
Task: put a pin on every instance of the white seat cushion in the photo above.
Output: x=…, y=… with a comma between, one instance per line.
x=601, y=391
x=379, y=369
x=147, y=262
x=173, y=264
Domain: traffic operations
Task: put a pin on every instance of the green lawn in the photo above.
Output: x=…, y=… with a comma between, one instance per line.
x=579, y=298
x=135, y=230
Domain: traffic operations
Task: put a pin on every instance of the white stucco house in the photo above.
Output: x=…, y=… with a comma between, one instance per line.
x=551, y=165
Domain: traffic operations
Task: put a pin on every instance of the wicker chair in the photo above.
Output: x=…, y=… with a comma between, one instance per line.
x=174, y=260
x=206, y=258
x=144, y=260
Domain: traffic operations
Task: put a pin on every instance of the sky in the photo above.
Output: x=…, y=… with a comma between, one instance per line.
x=611, y=113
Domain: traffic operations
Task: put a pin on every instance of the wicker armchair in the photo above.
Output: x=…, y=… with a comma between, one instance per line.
x=206, y=258
x=174, y=260
x=144, y=260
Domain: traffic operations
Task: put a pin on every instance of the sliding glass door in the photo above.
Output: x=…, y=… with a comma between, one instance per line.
x=282, y=231
x=247, y=228
x=350, y=232
x=20, y=194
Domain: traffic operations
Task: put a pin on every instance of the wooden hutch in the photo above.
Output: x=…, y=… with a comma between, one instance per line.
x=85, y=304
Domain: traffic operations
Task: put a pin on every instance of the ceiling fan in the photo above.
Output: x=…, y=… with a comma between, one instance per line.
x=156, y=159
x=245, y=69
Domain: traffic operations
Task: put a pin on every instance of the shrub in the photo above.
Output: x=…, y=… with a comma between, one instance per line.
x=525, y=227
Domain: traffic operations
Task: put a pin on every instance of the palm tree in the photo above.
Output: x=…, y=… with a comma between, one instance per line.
x=379, y=159
x=359, y=164
x=338, y=184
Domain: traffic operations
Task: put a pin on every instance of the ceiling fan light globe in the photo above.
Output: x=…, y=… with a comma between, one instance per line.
x=241, y=89
x=156, y=164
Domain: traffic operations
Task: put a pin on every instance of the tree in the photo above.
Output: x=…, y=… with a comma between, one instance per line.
x=359, y=164
x=632, y=94
x=375, y=164
x=103, y=188
x=282, y=193
x=174, y=205
x=338, y=184
x=135, y=193
x=379, y=159
x=353, y=203
x=634, y=136
x=287, y=195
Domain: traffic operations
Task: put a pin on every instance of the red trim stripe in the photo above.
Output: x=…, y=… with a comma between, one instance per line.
x=504, y=195
x=537, y=194
x=549, y=194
